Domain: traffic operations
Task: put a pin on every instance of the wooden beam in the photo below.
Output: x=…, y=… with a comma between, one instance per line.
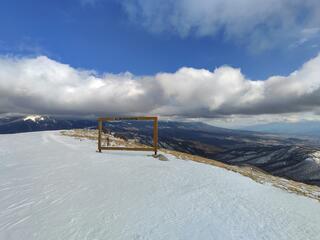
x=99, y=134
x=128, y=148
x=106, y=119
x=155, y=135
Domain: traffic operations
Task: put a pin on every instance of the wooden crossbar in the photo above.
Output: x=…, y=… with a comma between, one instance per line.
x=109, y=119
x=128, y=148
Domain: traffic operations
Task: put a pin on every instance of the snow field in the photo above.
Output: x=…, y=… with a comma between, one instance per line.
x=57, y=187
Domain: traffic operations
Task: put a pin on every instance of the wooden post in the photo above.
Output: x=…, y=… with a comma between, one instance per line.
x=99, y=134
x=155, y=135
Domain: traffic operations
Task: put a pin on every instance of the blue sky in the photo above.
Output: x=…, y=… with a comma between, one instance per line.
x=223, y=60
x=99, y=35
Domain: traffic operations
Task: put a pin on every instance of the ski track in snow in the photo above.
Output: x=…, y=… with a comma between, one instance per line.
x=57, y=187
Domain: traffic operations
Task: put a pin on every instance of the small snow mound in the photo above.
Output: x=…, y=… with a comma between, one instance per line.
x=34, y=118
x=161, y=157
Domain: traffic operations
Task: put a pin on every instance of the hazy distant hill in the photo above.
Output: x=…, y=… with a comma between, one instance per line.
x=304, y=128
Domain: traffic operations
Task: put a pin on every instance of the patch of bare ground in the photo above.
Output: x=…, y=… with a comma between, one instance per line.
x=254, y=173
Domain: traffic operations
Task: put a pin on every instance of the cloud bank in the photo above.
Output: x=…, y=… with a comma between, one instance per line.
x=259, y=24
x=42, y=85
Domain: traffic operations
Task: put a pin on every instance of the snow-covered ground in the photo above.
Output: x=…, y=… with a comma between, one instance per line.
x=57, y=187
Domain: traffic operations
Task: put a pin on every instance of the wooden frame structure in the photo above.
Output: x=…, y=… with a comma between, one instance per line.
x=109, y=119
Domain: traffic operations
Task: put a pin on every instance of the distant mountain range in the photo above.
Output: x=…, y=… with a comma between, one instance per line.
x=30, y=123
x=293, y=158
x=301, y=129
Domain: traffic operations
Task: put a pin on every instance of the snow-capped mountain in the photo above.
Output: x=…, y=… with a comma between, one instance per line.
x=30, y=123
x=34, y=118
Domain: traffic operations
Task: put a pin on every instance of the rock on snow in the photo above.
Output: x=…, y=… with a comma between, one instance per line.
x=57, y=187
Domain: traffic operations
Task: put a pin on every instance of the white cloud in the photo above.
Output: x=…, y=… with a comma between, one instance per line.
x=44, y=86
x=258, y=24
x=226, y=91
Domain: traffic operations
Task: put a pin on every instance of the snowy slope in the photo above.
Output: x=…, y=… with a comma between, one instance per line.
x=57, y=187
